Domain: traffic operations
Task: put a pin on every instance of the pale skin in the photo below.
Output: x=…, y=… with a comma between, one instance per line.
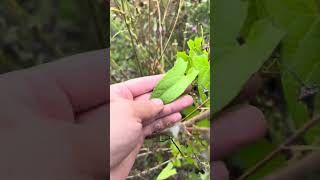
x=134, y=116
x=53, y=121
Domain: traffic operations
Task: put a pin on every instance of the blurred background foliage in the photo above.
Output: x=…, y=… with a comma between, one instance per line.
x=289, y=77
x=39, y=31
x=145, y=36
x=140, y=45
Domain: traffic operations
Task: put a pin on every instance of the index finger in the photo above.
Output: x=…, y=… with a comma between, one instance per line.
x=80, y=81
x=140, y=85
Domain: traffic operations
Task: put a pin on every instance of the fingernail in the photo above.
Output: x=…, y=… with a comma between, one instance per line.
x=157, y=101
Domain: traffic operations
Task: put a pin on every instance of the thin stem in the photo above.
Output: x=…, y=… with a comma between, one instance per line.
x=195, y=110
x=151, y=169
x=160, y=33
x=116, y=66
x=173, y=28
x=165, y=12
x=131, y=39
x=302, y=148
x=273, y=154
x=197, y=118
x=152, y=152
x=201, y=129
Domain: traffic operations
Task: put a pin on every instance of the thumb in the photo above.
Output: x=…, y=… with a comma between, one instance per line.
x=149, y=109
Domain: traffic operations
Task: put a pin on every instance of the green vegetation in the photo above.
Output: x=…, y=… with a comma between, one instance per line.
x=167, y=37
x=184, y=72
x=39, y=31
x=279, y=41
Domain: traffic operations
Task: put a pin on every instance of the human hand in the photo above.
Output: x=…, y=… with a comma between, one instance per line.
x=235, y=127
x=134, y=116
x=53, y=120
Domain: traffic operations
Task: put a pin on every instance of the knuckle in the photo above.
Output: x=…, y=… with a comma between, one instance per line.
x=158, y=126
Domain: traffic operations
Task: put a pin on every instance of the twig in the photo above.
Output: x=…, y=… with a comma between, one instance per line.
x=160, y=33
x=290, y=140
x=302, y=148
x=131, y=38
x=197, y=118
x=151, y=152
x=116, y=66
x=204, y=102
x=298, y=170
x=201, y=129
x=174, y=26
x=151, y=169
x=165, y=12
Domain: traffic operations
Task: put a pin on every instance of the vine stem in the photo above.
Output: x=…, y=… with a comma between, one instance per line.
x=152, y=152
x=160, y=33
x=174, y=26
x=188, y=115
x=290, y=140
x=131, y=39
x=201, y=129
x=151, y=169
x=197, y=118
x=296, y=171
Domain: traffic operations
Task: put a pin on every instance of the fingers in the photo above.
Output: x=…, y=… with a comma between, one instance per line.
x=146, y=110
x=122, y=170
x=82, y=77
x=236, y=127
x=90, y=140
x=139, y=86
x=176, y=106
x=219, y=171
x=161, y=124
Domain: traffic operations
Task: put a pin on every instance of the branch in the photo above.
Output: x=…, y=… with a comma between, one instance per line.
x=299, y=170
x=201, y=129
x=290, y=140
x=131, y=39
x=151, y=152
x=142, y=173
x=173, y=28
x=197, y=118
x=302, y=148
x=195, y=110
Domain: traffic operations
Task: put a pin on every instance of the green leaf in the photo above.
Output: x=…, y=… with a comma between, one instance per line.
x=229, y=18
x=205, y=176
x=204, y=84
x=192, y=176
x=203, y=123
x=176, y=163
x=175, y=82
x=201, y=63
x=228, y=77
x=250, y=155
x=174, y=150
x=186, y=111
x=182, y=55
x=303, y=59
x=190, y=44
x=285, y=12
x=167, y=172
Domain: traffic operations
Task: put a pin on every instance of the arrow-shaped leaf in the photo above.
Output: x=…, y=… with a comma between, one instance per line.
x=175, y=82
x=231, y=71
